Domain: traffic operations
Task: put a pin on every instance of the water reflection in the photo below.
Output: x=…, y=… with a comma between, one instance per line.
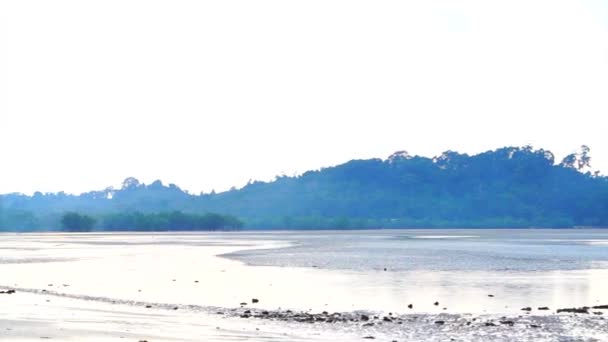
x=459, y=273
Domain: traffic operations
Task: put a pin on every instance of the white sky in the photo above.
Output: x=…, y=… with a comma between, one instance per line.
x=210, y=94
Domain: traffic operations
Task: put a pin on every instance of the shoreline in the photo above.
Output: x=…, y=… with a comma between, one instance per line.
x=171, y=291
x=364, y=324
x=262, y=231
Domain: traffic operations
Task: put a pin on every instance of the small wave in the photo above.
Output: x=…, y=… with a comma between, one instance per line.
x=33, y=260
x=583, y=241
x=445, y=236
x=168, y=306
x=598, y=242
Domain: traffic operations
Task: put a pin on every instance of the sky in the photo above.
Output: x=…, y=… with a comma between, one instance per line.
x=211, y=94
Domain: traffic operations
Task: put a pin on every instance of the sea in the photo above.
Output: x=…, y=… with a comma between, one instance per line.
x=422, y=273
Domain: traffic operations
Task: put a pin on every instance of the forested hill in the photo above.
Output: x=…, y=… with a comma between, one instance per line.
x=508, y=187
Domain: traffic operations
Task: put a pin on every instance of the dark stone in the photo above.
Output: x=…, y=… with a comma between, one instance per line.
x=436, y=303
x=534, y=326
x=411, y=306
x=490, y=324
x=369, y=337
x=440, y=322
x=255, y=300
x=387, y=319
x=583, y=310
x=543, y=308
x=604, y=307
x=509, y=323
x=491, y=296
x=526, y=309
x=364, y=317
x=148, y=306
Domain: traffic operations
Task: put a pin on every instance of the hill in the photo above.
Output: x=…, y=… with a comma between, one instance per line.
x=507, y=187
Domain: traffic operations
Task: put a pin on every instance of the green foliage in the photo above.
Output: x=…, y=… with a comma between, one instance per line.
x=508, y=187
x=172, y=221
x=74, y=222
x=18, y=220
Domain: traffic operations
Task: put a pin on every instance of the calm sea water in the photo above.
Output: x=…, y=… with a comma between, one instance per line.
x=437, y=250
x=123, y=283
x=383, y=270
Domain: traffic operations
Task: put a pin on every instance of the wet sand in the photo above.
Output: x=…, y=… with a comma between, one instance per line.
x=173, y=287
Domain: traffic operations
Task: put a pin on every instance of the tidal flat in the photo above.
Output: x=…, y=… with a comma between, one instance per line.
x=386, y=285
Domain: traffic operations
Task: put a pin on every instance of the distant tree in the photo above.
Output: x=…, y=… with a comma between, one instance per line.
x=169, y=221
x=74, y=222
x=584, y=159
x=17, y=220
x=506, y=187
x=130, y=183
x=579, y=160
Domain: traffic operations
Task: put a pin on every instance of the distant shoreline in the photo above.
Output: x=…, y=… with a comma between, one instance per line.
x=245, y=230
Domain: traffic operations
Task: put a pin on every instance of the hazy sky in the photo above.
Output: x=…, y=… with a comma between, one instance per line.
x=208, y=94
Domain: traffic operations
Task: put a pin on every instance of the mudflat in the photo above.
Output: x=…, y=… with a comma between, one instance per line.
x=266, y=287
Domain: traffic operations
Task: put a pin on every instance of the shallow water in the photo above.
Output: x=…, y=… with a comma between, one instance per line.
x=439, y=250
x=321, y=271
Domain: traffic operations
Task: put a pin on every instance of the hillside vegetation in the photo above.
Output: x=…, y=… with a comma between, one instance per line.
x=507, y=187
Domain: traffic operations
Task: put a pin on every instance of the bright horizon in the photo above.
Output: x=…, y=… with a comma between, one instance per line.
x=210, y=95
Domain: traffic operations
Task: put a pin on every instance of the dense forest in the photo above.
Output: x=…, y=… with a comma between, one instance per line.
x=137, y=221
x=508, y=187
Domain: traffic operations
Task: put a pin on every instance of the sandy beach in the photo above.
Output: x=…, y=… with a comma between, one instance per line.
x=175, y=287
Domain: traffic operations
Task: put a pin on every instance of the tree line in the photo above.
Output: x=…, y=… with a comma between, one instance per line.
x=137, y=221
x=507, y=187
